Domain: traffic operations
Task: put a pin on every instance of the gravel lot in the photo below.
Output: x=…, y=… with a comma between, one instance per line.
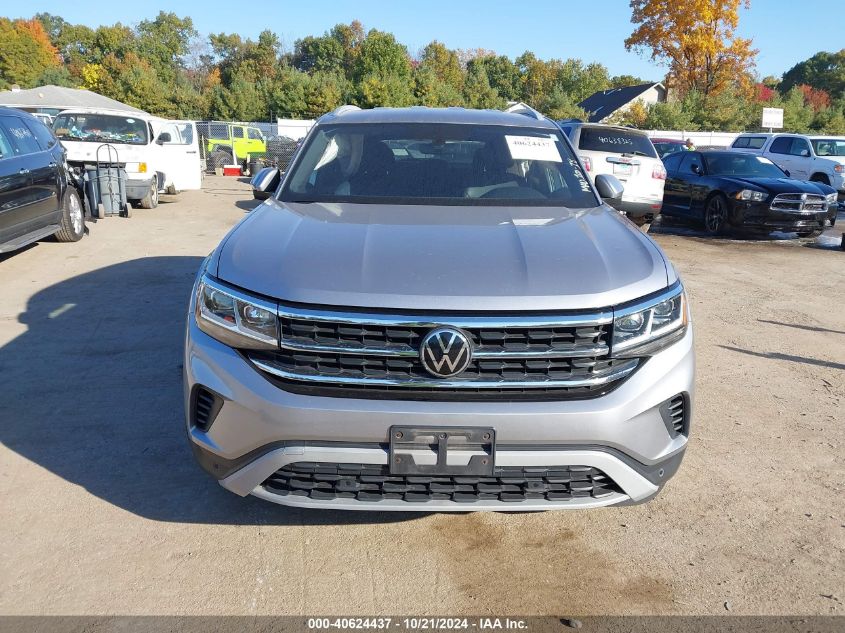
x=105, y=512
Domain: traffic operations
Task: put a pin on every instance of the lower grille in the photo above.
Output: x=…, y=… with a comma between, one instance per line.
x=373, y=482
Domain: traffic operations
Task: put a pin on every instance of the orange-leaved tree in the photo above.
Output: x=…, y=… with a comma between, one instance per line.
x=697, y=40
x=25, y=52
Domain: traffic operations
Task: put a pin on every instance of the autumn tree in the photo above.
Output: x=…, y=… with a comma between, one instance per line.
x=444, y=64
x=25, y=52
x=697, y=40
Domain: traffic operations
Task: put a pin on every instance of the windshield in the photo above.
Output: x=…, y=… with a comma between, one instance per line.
x=101, y=128
x=741, y=165
x=615, y=141
x=828, y=146
x=667, y=147
x=421, y=163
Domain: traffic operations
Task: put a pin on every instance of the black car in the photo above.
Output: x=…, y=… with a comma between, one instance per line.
x=724, y=190
x=37, y=198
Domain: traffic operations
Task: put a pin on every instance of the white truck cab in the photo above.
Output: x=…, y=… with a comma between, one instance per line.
x=156, y=153
x=814, y=158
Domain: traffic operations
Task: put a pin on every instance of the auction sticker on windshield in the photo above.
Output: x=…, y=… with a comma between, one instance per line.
x=533, y=148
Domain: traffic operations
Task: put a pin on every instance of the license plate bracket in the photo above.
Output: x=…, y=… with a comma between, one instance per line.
x=442, y=450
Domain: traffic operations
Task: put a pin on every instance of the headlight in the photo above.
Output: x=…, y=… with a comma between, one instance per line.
x=750, y=194
x=831, y=198
x=650, y=325
x=236, y=319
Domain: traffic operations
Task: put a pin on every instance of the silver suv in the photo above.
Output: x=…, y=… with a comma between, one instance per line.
x=436, y=311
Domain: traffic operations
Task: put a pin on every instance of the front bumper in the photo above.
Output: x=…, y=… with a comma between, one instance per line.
x=138, y=186
x=261, y=428
x=758, y=215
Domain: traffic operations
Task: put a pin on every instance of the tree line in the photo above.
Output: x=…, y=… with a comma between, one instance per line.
x=163, y=66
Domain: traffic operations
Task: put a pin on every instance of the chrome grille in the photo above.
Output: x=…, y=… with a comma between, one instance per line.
x=799, y=203
x=509, y=354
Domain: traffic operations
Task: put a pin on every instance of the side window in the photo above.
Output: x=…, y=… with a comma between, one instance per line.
x=800, y=145
x=756, y=142
x=689, y=160
x=672, y=161
x=7, y=149
x=254, y=134
x=22, y=138
x=237, y=132
x=187, y=132
x=42, y=133
x=742, y=141
x=781, y=145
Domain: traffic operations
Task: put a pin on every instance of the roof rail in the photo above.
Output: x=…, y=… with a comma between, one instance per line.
x=339, y=111
x=525, y=110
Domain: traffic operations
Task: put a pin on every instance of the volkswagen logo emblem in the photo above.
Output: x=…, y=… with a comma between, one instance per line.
x=445, y=352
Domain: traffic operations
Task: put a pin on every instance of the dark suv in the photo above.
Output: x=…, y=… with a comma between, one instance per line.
x=36, y=197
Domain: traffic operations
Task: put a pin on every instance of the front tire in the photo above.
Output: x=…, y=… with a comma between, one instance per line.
x=150, y=201
x=716, y=215
x=73, y=218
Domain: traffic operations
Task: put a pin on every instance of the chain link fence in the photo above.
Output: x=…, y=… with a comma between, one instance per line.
x=249, y=145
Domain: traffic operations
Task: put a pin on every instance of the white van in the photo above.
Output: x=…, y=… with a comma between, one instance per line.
x=158, y=154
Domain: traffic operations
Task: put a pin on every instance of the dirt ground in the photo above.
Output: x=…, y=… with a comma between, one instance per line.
x=104, y=511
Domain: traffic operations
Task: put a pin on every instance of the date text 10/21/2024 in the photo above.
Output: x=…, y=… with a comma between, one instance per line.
x=416, y=624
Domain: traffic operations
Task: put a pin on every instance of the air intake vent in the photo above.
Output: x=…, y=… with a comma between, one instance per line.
x=674, y=415
x=206, y=407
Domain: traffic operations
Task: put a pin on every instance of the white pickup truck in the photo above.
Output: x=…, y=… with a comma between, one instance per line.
x=814, y=158
x=158, y=154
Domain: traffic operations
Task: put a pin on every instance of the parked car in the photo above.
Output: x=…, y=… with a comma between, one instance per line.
x=36, y=197
x=157, y=154
x=462, y=325
x=833, y=148
x=45, y=118
x=627, y=154
x=796, y=154
x=666, y=146
x=231, y=143
x=727, y=190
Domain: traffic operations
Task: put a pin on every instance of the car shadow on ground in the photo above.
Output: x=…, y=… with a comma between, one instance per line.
x=789, y=357
x=247, y=205
x=809, y=328
x=92, y=392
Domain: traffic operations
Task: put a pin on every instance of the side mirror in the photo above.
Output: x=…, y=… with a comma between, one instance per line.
x=805, y=152
x=163, y=138
x=609, y=187
x=265, y=183
x=696, y=169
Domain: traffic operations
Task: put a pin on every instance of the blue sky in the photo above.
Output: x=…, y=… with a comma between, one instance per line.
x=592, y=31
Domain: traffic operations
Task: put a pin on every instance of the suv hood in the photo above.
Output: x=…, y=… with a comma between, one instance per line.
x=440, y=258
